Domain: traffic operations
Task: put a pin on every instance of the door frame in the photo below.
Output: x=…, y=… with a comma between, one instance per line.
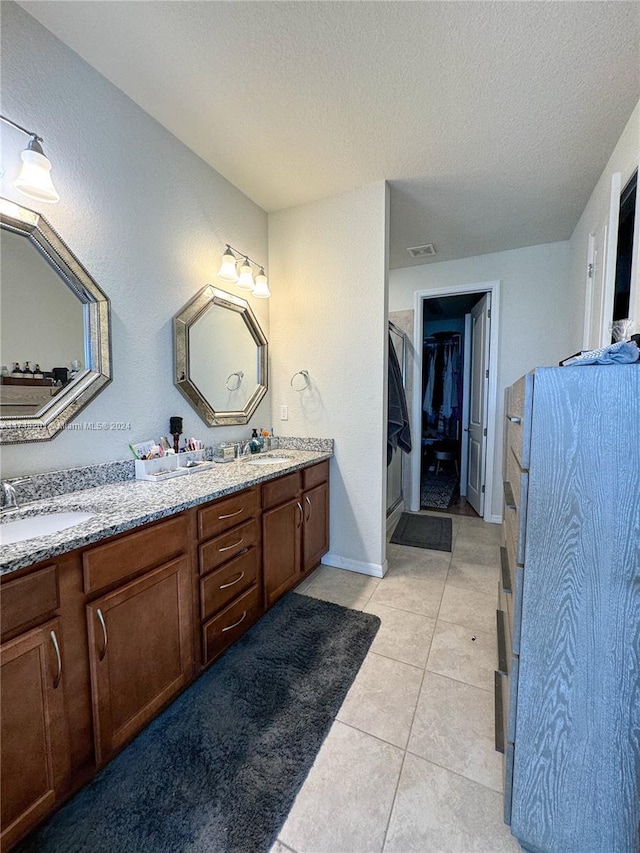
x=492, y=287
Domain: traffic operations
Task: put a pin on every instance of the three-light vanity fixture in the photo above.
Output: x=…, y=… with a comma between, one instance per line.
x=242, y=275
x=34, y=179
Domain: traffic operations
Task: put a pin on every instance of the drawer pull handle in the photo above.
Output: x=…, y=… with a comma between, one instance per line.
x=235, y=624
x=233, y=582
x=299, y=505
x=229, y=547
x=54, y=640
x=309, y=502
x=104, y=633
x=514, y=419
x=230, y=515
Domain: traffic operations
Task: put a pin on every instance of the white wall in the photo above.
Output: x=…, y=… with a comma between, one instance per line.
x=624, y=159
x=146, y=216
x=328, y=315
x=540, y=322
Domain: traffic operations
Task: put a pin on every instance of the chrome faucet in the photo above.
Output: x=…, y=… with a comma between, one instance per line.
x=9, y=495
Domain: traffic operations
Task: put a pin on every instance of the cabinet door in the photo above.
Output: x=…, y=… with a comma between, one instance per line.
x=140, y=651
x=281, y=531
x=316, y=526
x=34, y=733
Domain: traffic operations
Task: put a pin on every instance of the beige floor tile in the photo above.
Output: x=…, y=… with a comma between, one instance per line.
x=481, y=533
x=279, y=847
x=306, y=583
x=436, y=811
x=349, y=589
x=466, y=550
x=382, y=699
x=454, y=727
x=475, y=610
x=418, y=562
x=473, y=576
x=454, y=654
x=408, y=593
x=402, y=635
x=345, y=802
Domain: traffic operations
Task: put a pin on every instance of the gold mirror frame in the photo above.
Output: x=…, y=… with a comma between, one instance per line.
x=65, y=405
x=183, y=321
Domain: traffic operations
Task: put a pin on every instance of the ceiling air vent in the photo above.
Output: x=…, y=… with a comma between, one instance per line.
x=422, y=251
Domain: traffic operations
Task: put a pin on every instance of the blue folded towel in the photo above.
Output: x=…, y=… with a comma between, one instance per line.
x=624, y=352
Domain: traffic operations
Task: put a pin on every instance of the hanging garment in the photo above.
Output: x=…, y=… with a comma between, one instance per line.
x=427, y=403
x=436, y=401
x=447, y=381
x=398, y=429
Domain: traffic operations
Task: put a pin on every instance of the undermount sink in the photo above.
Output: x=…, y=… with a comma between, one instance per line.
x=269, y=460
x=39, y=525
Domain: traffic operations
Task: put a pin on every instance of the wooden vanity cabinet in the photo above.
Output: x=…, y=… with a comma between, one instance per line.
x=139, y=632
x=127, y=616
x=140, y=652
x=229, y=565
x=295, y=528
x=315, y=504
x=282, y=535
x=34, y=727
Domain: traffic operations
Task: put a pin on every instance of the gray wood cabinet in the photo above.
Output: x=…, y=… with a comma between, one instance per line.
x=568, y=688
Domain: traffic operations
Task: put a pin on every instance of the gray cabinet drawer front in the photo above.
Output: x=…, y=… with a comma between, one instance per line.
x=517, y=609
x=507, y=780
x=519, y=410
x=519, y=482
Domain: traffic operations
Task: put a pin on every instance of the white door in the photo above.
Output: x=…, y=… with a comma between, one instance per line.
x=477, y=431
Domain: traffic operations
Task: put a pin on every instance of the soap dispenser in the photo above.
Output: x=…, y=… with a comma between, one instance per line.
x=254, y=442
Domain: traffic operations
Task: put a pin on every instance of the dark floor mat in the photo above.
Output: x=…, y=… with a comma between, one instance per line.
x=423, y=531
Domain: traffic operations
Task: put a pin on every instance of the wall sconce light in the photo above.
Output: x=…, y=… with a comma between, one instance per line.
x=243, y=277
x=34, y=179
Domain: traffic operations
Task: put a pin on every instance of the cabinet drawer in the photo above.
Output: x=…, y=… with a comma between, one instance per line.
x=314, y=476
x=134, y=552
x=223, y=585
x=514, y=601
x=227, y=513
x=507, y=781
x=504, y=603
x=29, y=600
x=499, y=693
x=217, y=551
x=224, y=629
x=517, y=609
x=519, y=482
x=514, y=544
x=281, y=490
x=520, y=407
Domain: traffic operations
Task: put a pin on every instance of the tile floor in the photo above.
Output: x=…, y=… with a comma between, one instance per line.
x=409, y=764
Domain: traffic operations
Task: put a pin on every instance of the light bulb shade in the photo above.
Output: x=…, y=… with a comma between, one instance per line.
x=261, y=290
x=228, y=271
x=245, y=282
x=34, y=179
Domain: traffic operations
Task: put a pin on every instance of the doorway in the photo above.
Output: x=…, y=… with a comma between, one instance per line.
x=454, y=401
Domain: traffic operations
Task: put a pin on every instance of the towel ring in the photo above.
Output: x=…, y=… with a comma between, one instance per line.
x=240, y=375
x=305, y=377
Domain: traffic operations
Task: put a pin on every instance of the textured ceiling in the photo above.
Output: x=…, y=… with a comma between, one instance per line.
x=491, y=120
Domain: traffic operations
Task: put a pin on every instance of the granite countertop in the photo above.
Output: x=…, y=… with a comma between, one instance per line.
x=122, y=506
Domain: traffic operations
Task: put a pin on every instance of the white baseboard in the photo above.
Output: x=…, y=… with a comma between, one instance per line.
x=373, y=569
x=494, y=519
x=394, y=518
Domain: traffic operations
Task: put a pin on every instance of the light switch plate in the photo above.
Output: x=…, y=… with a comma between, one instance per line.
x=284, y=413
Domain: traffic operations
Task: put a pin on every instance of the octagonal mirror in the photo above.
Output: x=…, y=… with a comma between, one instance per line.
x=55, y=347
x=220, y=357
